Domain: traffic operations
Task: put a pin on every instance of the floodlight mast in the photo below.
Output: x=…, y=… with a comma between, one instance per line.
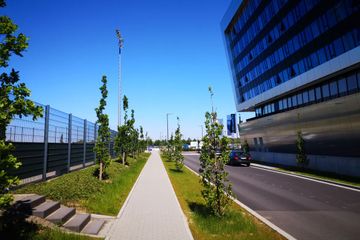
x=121, y=45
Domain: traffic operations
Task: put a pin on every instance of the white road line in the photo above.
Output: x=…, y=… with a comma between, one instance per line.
x=307, y=178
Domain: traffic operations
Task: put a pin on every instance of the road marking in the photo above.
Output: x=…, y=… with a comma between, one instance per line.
x=306, y=178
x=255, y=214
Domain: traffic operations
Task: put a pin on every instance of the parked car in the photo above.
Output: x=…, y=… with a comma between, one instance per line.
x=238, y=157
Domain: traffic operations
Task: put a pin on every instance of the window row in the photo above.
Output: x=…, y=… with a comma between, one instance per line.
x=337, y=47
x=312, y=31
x=331, y=89
x=261, y=21
x=288, y=21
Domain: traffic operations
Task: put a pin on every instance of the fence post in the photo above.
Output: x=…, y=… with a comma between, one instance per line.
x=84, y=139
x=46, y=140
x=69, y=141
x=95, y=136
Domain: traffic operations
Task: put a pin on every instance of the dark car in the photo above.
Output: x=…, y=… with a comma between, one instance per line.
x=238, y=157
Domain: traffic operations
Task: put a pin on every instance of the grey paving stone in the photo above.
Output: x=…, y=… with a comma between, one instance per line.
x=152, y=211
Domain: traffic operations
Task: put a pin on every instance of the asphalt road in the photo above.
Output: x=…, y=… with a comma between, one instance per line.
x=305, y=209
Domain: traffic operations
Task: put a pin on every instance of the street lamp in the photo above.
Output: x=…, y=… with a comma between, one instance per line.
x=121, y=45
x=167, y=126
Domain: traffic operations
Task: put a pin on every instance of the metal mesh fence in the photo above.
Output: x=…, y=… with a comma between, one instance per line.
x=52, y=145
x=25, y=129
x=58, y=126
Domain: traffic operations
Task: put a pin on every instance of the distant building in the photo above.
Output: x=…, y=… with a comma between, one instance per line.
x=296, y=64
x=196, y=145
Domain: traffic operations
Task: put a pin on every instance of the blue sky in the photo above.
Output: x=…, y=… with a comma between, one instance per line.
x=173, y=51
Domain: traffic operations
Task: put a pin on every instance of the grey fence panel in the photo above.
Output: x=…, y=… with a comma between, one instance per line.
x=90, y=157
x=77, y=154
x=57, y=158
x=31, y=156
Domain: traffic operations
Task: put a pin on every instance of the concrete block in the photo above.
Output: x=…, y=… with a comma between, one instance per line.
x=77, y=222
x=93, y=226
x=61, y=215
x=45, y=209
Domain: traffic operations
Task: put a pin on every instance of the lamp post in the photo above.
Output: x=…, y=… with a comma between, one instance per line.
x=167, y=126
x=121, y=45
x=202, y=131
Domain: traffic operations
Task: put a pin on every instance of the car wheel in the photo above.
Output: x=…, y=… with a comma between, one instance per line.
x=248, y=164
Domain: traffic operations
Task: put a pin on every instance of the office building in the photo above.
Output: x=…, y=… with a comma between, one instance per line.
x=296, y=64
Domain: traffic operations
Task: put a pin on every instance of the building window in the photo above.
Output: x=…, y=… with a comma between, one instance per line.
x=289, y=102
x=311, y=95
x=284, y=103
x=294, y=101
x=305, y=97
x=333, y=89
x=299, y=99
x=351, y=83
x=325, y=91
x=318, y=93
x=280, y=105
x=342, y=86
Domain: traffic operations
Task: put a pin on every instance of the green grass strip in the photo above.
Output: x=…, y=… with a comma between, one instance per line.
x=81, y=189
x=236, y=224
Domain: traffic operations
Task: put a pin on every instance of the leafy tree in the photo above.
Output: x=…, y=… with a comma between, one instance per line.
x=13, y=102
x=103, y=139
x=177, y=146
x=214, y=156
x=301, y=156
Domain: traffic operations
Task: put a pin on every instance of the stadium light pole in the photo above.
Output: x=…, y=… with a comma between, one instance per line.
x=121, y=45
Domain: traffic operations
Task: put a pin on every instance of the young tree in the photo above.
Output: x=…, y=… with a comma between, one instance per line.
x=103, y=139
x=214, y=156
x=177, y=146
x=126, y=140
x=301, y=156
x=13, y=102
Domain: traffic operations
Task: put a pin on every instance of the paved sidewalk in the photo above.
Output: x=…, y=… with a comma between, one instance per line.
x=151, y=210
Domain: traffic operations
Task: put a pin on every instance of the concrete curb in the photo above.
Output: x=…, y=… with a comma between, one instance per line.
x=258, y=216
x=319, y=180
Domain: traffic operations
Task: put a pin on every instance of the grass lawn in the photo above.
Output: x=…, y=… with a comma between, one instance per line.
x=81, y=189
x=236, y=224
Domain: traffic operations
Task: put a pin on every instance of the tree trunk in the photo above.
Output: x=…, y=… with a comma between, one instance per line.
x=123, y=158
x=101, y=170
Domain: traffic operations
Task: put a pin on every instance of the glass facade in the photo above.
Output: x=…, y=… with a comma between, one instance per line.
x=271, y=42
